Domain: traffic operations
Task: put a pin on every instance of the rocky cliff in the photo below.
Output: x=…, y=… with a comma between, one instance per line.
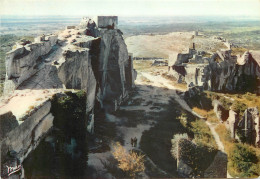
x=235, y=73
x=83, y=57
x=221, y=72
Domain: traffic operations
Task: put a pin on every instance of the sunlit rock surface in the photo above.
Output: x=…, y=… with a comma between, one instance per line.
x=220, y=72
x=82, y=57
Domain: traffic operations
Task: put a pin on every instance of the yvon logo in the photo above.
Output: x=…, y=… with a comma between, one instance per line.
x=12, y=170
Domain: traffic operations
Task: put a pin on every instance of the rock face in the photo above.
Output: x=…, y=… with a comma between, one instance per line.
x=246, y=129
x=8, y=122
x=232, y=121
x=234, y=75
x=220, y=72
x=66, y=143
x=25, y=137
x=30, y=60
x=114, y=67
x=249, y=126
x=220, y=111
x=88, y=57
x=98, y=63
x=218, y=168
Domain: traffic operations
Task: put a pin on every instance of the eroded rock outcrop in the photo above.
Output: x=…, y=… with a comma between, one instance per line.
x=24, y=61
x=25, y=137
x=245, y=128
x=232, y=122
x=220, y=111
x=220, y=72
x=8, y=122
x=92, y=57
x=249, y=128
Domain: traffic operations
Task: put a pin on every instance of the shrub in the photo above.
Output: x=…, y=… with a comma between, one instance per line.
x=244, y=160
x=131, y=163
x=238, y=107
x=203, y=134
x=176, y=138
x=81, y=94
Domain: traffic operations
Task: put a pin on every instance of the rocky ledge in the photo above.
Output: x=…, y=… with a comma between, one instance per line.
x=91, y=57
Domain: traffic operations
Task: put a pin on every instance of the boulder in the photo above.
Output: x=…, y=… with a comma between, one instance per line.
x=218, y=168
x=8, y=122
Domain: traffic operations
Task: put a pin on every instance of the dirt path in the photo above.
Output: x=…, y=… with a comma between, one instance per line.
x=217, y=139
x=159, y=81
x=156, y=90
x=150, y=97
x=162, y=82
x=216, y=136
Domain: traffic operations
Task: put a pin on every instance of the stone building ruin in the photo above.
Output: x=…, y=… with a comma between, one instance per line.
x=219, y=72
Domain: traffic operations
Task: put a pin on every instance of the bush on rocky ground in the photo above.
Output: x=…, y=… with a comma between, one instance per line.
x=244, y=161
x=130, y=162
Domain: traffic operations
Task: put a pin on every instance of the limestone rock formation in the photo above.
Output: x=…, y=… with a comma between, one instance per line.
x=25, y=137
x=218, y=168
x=25, y=61
x=91, y=57
x=220, y=111
x=90, y=25
x=8, y=122
x=232, y=122
x=220, y=72
x=99, y=64
x=249, y=126
x=246, y=128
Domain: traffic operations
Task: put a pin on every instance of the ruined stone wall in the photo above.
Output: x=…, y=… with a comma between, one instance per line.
x=221, y=72
x=107, y=21
x=197, y=75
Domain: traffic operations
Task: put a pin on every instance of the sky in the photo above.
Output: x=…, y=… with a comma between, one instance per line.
x=130, y=7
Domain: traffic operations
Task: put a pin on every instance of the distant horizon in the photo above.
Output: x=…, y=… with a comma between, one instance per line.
x=130, y=8
x=178, y=18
